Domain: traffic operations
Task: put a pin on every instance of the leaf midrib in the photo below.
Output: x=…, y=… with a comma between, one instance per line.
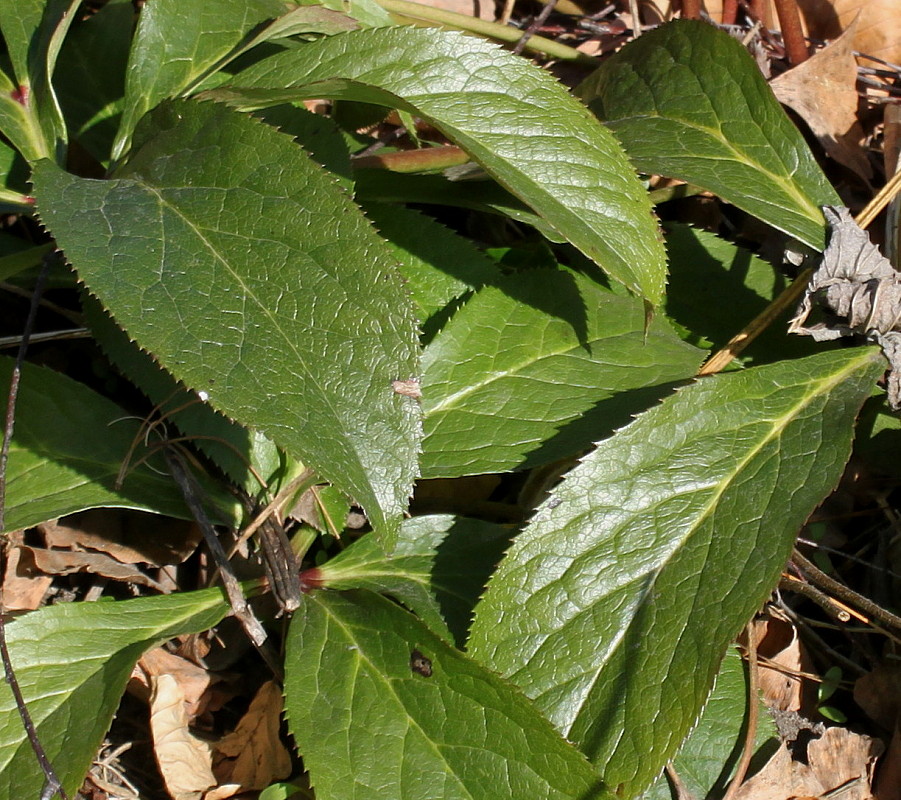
x=776, y=429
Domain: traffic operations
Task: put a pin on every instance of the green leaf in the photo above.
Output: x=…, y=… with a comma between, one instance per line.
x=707, y=758
x=318, y=135
x=367, y=12
x=494, y=105
x=438, y=265
x=178, y=42
x=438, y=569
x=72, y=678
x=370, y=726
x=716, y=288
x=240, y=453
x=67, y=449
x=224, y=251
x=687, y=101
x=614, y=607
x=33, y=31
x=91, y=96
x=538, y=366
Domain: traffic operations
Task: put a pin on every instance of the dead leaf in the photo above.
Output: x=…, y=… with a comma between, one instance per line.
x=195, y=682
x=781, y=661
x=878, y=30
x=68, y=562
x=888, y=778
x=859, y=292
x=130, y=537
x=184, y=760
x=23, y=587
x=253, y=756
x=823, y=91
x=838, y=759
x=878, y=693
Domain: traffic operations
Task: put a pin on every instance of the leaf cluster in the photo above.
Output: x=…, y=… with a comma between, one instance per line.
x=291, y=312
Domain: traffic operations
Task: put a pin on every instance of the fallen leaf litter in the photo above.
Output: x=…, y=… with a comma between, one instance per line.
x=859, y=292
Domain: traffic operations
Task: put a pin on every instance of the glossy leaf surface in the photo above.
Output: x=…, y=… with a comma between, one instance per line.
x=614, y=607
x=564, y=165
x=538, y=366
x=382, y=709
x=687, y=101
x=176, y=43
x=72, y=678
x=250, y=275
x=707, y=758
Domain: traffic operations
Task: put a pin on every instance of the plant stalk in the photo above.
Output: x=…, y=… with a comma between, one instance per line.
x=419, y=14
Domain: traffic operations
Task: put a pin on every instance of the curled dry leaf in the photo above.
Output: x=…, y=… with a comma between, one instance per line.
x=823, y=91
x=253, y=756
x=185, y=761
x=859, y=292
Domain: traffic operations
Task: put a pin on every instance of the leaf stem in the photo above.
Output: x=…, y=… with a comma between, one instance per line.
x=417, y=13
x=747, y=750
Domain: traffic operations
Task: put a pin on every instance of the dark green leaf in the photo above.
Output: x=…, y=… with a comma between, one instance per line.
x=438, y=568
x=236, y=261
x=707, y=758
x=687, y=101
x=72, y=677
x=177, y=42
x=437, y=264
x=381, y=186
x=494, y=105
x=382, y=709
x=537, y=367
x=240, y=453
x=614, y=608
x=68, y=447
x=716, y=288
x=90, y=94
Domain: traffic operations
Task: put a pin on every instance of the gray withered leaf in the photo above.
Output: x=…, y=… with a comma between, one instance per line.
x=858, y=291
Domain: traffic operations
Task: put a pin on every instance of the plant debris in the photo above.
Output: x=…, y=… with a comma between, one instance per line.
x=859, y=292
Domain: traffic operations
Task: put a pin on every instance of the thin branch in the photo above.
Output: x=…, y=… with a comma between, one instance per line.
x=847, y=595
x=191, y=491
x=52, y=784
x=747, y=750
x=535, y=25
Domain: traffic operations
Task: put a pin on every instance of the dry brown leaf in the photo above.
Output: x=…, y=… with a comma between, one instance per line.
x=839, y=758
x=131, y=537
x=878, y=31
x=823, y=91
x=194, y=681
x=878, y=693
x=68, y=562
x=253, y=756
x=23, y=588
x=779, y=648
x=184, y=760
x=888, y=778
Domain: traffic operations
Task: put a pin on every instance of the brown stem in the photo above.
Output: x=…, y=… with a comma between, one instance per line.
x=792, y=35
x=691, y=9
x=428, y=158
x=730, y=12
